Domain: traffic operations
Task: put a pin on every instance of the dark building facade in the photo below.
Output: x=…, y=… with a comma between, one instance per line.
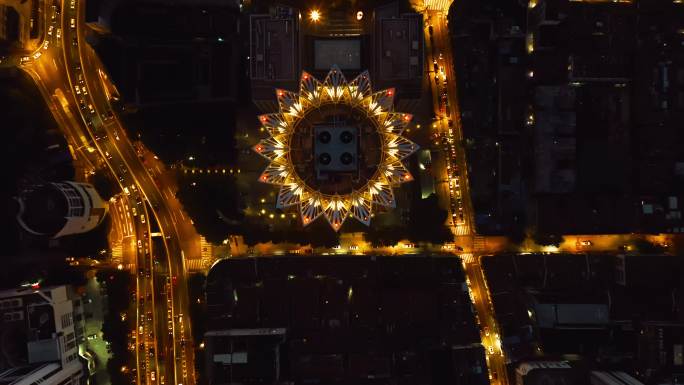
x=160, y=54
x=341, y=320
x=570, y=112
x=612, y=312
x=387, y=41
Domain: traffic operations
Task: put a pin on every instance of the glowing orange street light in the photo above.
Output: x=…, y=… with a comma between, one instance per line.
x=315, y=15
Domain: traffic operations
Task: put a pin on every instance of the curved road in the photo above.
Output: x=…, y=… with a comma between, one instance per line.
x=77, y=90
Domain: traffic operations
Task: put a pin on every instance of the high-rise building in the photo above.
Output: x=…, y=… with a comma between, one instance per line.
x=40, y=332
x=61, y=208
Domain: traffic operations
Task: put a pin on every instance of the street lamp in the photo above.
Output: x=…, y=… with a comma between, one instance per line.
x=315, y=15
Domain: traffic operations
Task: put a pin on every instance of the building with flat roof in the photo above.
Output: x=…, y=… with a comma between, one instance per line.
x=388, y=41
x=335, y=149
x=341, y=319
x=563, y=372
x=546, y=373
x=344, y=53
x=44, y=374
x=606, y=92
x=567, y=311
x=660, y=352
x=274, y=59
x=162, y=53
x=40, y=331
x=612, y=378
x=398, y=43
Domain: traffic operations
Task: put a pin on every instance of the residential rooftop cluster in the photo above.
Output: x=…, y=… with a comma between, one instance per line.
x=41, y=330
x=615, y=312
x=342, y=319
x=387, y=41
x=571, y=113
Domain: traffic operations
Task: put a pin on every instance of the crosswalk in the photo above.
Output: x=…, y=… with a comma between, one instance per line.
x=117, y=251
x=478, y=243
x=467, y=258
x=437, y=5
x=462, y=229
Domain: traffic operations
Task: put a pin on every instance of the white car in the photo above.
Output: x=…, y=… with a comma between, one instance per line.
x=72, y=23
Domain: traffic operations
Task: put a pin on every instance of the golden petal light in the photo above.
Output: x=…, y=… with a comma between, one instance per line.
x=281, y=171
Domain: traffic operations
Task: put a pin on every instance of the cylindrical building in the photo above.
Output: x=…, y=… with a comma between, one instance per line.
x=59, y=209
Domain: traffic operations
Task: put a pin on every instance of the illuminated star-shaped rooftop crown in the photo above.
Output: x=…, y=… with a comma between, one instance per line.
x=358, y=94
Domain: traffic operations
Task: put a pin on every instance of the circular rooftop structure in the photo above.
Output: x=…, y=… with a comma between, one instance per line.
x=335, y=148
x=45, y=210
